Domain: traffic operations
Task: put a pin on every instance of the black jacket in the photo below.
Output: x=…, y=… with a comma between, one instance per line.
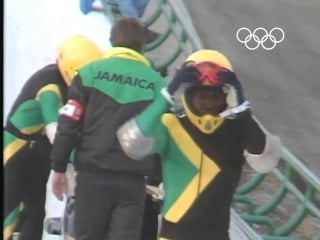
x=110, y=91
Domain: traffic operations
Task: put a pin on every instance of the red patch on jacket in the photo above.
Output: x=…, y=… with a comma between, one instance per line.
x=73, y=109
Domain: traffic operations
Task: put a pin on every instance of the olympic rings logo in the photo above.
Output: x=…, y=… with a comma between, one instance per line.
x=260, y=40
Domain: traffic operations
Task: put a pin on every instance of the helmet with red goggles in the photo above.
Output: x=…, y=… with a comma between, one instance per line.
x=208, y=63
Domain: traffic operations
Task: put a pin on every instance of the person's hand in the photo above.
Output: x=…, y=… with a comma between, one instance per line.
x=163, y=72
x=59, y=185
x=188, y=73
x=234, y=88
x=235, y=97
x=155, y=192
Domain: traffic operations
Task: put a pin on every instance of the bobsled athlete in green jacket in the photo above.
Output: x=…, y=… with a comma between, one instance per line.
x=203, y=147
x=29, y=133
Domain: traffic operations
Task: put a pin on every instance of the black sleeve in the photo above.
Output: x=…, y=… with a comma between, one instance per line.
x=69, y=127
x=254, y=137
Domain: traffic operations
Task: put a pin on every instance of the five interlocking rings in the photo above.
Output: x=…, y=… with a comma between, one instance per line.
x=260, y=40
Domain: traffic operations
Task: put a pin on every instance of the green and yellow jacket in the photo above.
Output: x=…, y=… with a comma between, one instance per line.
x=200, y=171
x=36, y=106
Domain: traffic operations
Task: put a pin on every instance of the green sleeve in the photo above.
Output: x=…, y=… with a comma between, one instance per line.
x=50, y=102
x=149, y=122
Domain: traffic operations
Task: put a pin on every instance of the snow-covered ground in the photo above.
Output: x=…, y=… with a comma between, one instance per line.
x=33, y=30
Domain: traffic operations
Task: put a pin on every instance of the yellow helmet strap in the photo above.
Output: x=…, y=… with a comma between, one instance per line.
x=207, y=123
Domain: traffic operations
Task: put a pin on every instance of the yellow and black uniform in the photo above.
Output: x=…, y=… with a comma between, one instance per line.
x=202, y=152
x=26, y=150
x=200, y=171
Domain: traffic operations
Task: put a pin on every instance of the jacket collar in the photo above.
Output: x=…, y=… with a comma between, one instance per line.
x=128, y=53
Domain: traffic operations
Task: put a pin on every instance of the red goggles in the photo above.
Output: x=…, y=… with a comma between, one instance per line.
x=208, y=72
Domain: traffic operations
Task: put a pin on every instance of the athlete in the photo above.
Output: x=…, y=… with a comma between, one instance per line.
x=203, y=148
x=29, y=132
x=110, y=187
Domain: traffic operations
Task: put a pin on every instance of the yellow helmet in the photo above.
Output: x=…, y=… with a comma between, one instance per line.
x=208, y=55
x=208, y=62
x=75, y=52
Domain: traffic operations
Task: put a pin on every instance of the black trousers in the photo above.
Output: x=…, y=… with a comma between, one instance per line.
x=150, y=219
x=108, y=206
x=25, y=177
x=149, y=229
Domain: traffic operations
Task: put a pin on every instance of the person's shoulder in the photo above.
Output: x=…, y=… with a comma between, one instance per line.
x=154, y=75
x=48, y=69
x=45, y=78
x=170, y=119
x=48, y=74
x=93, y=63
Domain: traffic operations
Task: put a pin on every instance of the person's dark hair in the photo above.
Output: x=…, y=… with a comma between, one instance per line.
x=127, y=32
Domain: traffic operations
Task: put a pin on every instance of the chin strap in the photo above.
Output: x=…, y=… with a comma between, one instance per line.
x=231, y=113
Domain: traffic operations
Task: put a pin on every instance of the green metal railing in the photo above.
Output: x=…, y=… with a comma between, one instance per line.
x=282, y=205
x=291, y=208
